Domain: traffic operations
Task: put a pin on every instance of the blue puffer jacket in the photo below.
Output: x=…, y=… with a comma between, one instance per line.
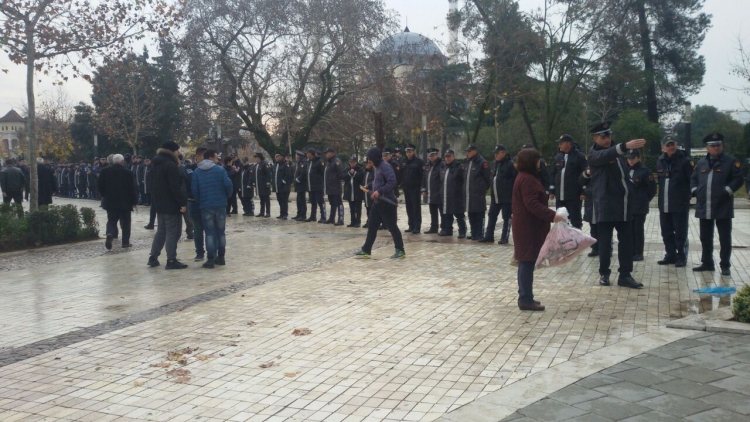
x=210, y=185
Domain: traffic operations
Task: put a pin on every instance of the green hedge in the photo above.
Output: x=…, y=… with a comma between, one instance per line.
x=54, y=225
x=741, y=305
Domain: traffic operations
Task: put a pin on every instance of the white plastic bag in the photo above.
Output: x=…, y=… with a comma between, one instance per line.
x=564, y=242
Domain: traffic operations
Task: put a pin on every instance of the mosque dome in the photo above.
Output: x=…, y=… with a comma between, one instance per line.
x=409, y=47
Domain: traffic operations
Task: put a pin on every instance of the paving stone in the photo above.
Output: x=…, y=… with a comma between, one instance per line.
x=597, y=380
x=675, y=405
x=706, y=360
x=669, y=352
x=740, y=357
x=551, y=410
x=574, y=394
x=741, y=369
x=653, y=417
x=688, y=343
x=686, y=388
x=731, y=400
x=735, y=383
x=591, y=417
x=655, y=363
x=612, y=408
x=514, y=417
x=629, y=392
x=617, y=368
x=643, y=377
x=698, y=374
x=717, y=415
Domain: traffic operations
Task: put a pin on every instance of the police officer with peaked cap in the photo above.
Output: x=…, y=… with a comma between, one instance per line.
x=431, y=184
x=412, y=170
x=644, y=190
x=673, y=169
x=476, y=172
x=503, y=175
x=300, y=185
x=612, y=192
x=714, y=181
x=566, y=191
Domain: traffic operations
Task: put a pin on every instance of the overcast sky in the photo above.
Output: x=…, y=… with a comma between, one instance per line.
x=428, y=18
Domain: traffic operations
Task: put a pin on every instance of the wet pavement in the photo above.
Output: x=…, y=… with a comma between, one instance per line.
x=415, y=339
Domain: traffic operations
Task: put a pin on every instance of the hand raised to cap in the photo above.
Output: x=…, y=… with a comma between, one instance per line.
x=635, y=144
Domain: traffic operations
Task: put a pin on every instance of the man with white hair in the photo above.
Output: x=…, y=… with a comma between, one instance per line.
x=118, y=189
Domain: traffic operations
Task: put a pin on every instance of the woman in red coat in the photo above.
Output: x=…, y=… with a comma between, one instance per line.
x=531, y=223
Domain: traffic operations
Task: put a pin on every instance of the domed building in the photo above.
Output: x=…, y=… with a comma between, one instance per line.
x=407, y=50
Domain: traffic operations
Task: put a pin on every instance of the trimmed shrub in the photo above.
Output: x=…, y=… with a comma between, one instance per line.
x=741, y=305
x=54, y=225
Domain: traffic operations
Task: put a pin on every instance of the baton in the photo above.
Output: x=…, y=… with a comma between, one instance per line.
x=386, y=200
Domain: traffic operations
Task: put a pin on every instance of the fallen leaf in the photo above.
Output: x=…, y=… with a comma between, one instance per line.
x=251, y=323
x=290, y=374
x=232, y=344
x=174, y=356
x=181, y=380
x=145, y=374
x=483, y=256
x=188, y=350
x=231, y=335
x=267, y=365
x=433, y=332
x=204, y=357
x=301, y=332
x=97, y=368
x=138, y=383
x=178, y=373
x=449, y=285
x=161, y=365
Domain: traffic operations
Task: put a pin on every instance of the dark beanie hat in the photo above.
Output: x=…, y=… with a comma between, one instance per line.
x=374, y=155
x=171, y=145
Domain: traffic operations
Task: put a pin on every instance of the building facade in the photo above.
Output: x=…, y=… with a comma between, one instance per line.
x=12, y=126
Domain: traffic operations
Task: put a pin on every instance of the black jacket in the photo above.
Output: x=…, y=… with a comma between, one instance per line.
x=503, y=176
x=118, y=189
x=300, y=176
x=644, y=188
x=367, y=179
x=81, y=179
x=612, y=189
x=476, y=173
x=565, y=175
x=167, y=190
x=412, y=171
x=674, y=182
x=332, y=175
x=352, y=183
x=713, y=183
x=431, y=182
x=452, y=187
x=588, y=205
x=396, y=166
x=247, y=179
x=544, y=176
x=12, y=180
x=283, y=175
x=187, y=177
x=262, y=179
x=46, y=183
x=315, y=171
x=27, y=174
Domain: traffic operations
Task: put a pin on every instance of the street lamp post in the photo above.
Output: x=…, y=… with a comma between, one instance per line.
x=688, y=129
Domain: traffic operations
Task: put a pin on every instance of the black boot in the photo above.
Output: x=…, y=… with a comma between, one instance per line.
x=432, y=230
x=341, y=216
x=461, y=228
x=505, y=234
x=323, y=214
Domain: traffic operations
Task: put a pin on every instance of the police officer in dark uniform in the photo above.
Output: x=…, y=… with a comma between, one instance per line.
x=644, y=190
x=452, y=188
x=353, y=177
x=431, y=189
x=263, y=184
x=315, y=185
x=412, y=170
x=566, y=191
x=300, y=186
x=283, y=174
x=544, y=174
x=247, y=192
x=673, y=169
x=332, y=177
x=476, y=173
x=715, y=180
x=501, y=192
x=613, y=193
x=391, y=159
x=588, y=209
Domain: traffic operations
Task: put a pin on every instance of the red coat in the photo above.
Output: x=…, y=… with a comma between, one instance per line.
x=531, y=217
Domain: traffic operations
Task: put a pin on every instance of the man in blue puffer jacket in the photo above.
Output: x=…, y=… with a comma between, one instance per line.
x=211, y=188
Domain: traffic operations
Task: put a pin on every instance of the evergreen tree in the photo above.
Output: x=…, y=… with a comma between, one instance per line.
x=82, y=132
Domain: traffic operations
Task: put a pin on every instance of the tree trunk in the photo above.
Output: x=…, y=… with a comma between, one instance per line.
x=648, y=62
x=527, y=122
x=379, y=132
x=31, y=119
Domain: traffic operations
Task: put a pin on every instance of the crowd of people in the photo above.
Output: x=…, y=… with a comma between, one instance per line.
x=608, y=187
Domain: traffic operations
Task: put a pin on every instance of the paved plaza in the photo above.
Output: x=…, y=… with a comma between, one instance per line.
x=295, y=328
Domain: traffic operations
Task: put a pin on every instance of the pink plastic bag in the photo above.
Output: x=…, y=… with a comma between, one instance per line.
x=564, y=242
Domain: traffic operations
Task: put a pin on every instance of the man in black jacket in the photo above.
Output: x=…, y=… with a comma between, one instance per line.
x=246, y=193
x=501, y=191
x=332, y=182
x=27, y=174
x=612, y=190
x=674, y=168
x=263, y=184
x=300, y=186
x=715, y=180
x=644, y=190
x=12, y=183
x=569, y=164
x=476, y=173
x=451, y=182
x=412, y=170
x=283, y=174
x=431, y=189
x=170, y=200
x=46, y=183
x=120, y=196
x=353, y=179
x=193, y=209
x=315, y=172
x=367, y=178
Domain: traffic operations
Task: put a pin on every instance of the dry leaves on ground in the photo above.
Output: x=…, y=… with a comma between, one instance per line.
x=301, y=332
x=178, y=373
x=138, y=383
x=161, y=365
x=204, y=357
x=449, y=285
x=181, y=380
x=290, y=374
x=251, y=323
x=267, y=365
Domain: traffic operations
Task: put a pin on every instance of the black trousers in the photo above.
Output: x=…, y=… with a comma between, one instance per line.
x=152, y=216
x=146, y=198
x=248, y=206
x=448, y=222
x=639, y=238
x=574, y=210
x=283, y=199
x=674, y=230
x=123, y=216
x=316, y=201
x=335, y=201
x=15, y=196
x=385, y=213
x=495, y=209
x=355, y=211
x=595, y=234
x=624, y=247
x=435, y=216
x=265, y=204
x=476, y=222
x=301, y=204
x=724, y=227
x=412, y=200
x=232, y=203
x=367, y=213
